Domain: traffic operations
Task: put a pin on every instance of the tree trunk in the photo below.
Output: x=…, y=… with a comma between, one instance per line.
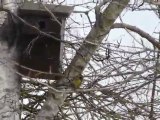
x=9, y=82
x=84, y=54
x=9, y=85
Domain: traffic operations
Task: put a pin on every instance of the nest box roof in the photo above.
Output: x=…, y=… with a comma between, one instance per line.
x=30, y=8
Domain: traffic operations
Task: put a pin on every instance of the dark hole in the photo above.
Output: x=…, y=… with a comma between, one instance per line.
x=42, y=24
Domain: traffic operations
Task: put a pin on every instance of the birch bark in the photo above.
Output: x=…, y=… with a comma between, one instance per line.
x=9, y=83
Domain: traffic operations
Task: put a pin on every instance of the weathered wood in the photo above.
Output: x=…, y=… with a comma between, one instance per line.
x=37, y=8
x=39, y=52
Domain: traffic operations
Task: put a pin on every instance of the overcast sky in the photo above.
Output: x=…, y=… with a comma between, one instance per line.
x=144, y=19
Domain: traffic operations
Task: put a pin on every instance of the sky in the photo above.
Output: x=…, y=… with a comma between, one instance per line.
x=146, y=20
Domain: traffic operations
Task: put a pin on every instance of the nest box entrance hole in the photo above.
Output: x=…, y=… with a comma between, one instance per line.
x=41, y=24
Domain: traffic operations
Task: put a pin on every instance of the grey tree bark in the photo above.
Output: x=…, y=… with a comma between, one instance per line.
x=9, y=84
x=79, y=62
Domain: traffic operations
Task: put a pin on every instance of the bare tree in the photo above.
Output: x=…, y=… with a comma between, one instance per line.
x=119, y=81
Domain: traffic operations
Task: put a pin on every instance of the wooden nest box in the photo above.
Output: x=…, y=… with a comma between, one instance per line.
x=38, y=51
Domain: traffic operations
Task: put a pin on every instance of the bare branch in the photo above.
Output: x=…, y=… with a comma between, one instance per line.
x=138, y=31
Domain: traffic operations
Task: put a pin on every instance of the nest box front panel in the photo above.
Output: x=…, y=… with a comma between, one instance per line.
x=38, y=51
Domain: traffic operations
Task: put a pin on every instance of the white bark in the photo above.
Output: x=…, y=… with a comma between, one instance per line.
x=11, y=5
x=9, y=82
x=9, y=85
x=87, y=49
